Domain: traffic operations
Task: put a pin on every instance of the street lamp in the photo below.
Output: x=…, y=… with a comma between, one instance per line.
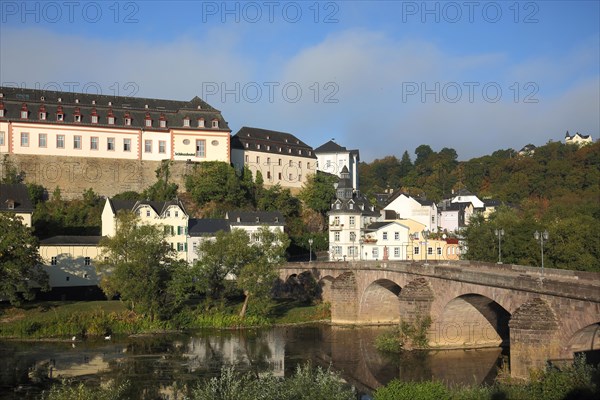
x=541, y=237
x=310, y=242
x=499, y=233
x=360, y=242
x=425, y=234
x=353, y=239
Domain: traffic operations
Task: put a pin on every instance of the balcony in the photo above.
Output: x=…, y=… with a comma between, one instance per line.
x=336, y=227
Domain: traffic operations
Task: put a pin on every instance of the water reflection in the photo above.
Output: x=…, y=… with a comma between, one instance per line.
x=165, y=366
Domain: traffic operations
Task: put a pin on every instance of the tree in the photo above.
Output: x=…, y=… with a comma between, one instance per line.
x=20, y=262
x=319, y=191
x=257, y=277
x=140, y=267
x=162, y=190
x=224, y=256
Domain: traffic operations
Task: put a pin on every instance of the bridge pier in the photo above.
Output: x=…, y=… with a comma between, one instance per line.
x=533, y=338
x=344, y=295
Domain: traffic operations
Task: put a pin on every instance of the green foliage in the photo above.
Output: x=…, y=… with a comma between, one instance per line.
x=162, y=190
x=307, y=383
x=141, y=267
x=20, y=262
x=319, y=191
x=398, y=390
x=9, y=173
x=67, y=217
x=405, y=336
x=70, y=391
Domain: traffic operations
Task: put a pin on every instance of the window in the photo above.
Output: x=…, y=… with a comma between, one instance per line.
x=1, y=138
x=53, y=261
x=148, y=123
x=127, y=121
x=268, y=160
x=60, y=141
x=186, y=122
x=336, y=221
x=1, y=112
x=351, y=206
x=148, y=146
x=24, y=139
x=110, y=144
x=87, y=261
x=43, y=116
x=396, y=252
x=247, y=158
x=258, y=146
x=24, y=114
x=162, y=123
x=162, y=146
x=352, y=221
x=111, y=120
x=290, y=163
x=147, y=213
x=60, y=117
x=279, y=162
x=77, y=117
x=43, y=140
x=307, y=165
x=290, y=178
x=299, y=164
x=336, y=236
x=126, y=144
x=337, y=250
x=176, y=213
x=433, y=219
x=215, y=123
x=94, y=143
x=416, y=250
x=94, y=119
x=384, y=235
x=352, y=251
x=201, y=123
x=180, y=246
x=352, y=236
x=269, y=175
x=180, y=230
x=168, y=213
x=279, y=175
x=258, y=159
x=430, y=250
x=77, y=142
x=200, y=148
x=375, y=252
x=439, y=251
x=396, y=235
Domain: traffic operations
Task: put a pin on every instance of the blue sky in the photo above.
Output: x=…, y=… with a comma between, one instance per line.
x=379, y=76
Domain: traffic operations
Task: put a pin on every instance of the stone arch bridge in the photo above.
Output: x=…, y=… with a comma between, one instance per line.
x=471, y=304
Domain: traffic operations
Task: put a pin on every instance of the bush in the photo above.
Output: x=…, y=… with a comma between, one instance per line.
x=398, y=390
x=68, y=391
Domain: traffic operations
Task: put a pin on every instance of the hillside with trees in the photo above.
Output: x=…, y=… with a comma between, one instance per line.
x=557, y=189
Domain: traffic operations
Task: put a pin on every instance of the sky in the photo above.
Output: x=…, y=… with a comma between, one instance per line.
x=382, y=77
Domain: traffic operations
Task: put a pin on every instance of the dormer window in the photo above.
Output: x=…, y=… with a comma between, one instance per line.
x=186, y=122
x=276, y=219
x=77, y=115
x=10, y=204
x=60, y=116
x=94, y=116
x=24, y=112
x=215, y=123
x=299, y=152
x=111, y=117
x=127, y=119
x=258, y=146
x=162, y=121
x=238, y=219
x=257, y=220
x=42, y=113
x=247, y=145
x=200, y=122
x=290, y=151
x=148, y=120
x=1, y=109
x=268, y=147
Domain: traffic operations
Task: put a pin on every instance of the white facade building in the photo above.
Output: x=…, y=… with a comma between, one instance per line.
x=332, y=158
x=406, y=206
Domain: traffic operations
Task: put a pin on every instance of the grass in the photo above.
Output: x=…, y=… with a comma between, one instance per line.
x=62, y=320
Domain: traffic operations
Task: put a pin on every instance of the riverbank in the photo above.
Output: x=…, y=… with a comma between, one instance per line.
x=56, y=320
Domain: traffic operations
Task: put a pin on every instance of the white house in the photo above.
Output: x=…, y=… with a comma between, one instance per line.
x=71, y=260
x=200, y=230
x=332, y=158
x=387, y=240
x=464, y=196
x=251, y=221
x=14, y=199
x=171, y=215
x=421, y=210
x=349, y=216
x=577, y=139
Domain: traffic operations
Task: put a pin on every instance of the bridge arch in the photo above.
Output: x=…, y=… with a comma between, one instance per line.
x=471, y=320
x=379, y=302
x=586, y=341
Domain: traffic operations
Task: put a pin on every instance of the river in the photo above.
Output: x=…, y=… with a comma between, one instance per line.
x=160, y=366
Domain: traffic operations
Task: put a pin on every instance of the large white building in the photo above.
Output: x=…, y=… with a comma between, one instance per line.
x=418, y=209
x=48, y=123
x=332, y=158
x=280, y=157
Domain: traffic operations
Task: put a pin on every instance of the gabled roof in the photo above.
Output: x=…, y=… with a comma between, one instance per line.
x=72, y=241
x=207, y=226
x=17, y=195
x=158, y=206
x=258, y=218
x=420, y=200
x=378, y=225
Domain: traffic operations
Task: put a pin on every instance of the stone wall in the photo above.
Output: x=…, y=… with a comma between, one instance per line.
x=106, y=177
